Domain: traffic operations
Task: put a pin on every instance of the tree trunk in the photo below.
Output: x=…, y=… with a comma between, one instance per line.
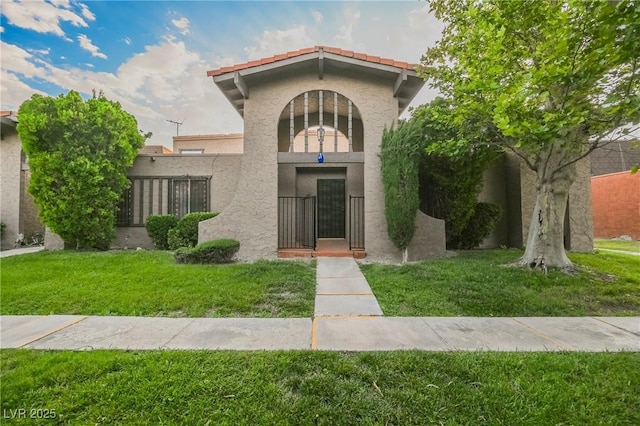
x=545, y=243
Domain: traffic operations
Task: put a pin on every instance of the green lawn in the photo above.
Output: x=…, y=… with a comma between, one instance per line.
x=633, y=246
x=150, y=283
x=475, y=283
x=309, y=388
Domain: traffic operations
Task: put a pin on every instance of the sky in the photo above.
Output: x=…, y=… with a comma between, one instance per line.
x=153, y=56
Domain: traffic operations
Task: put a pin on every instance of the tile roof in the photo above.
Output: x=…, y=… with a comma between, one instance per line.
x=327, y=49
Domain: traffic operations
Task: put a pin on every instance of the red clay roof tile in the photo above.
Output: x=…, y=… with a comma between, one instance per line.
x=332, y=50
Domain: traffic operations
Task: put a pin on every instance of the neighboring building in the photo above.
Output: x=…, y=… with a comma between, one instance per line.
x=617, y=156
x=17, y=210
x=208, y=144
x=615, y=191
x=155, y=149
x=616, y=205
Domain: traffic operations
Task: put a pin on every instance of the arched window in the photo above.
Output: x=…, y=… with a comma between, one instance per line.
x=320, y=121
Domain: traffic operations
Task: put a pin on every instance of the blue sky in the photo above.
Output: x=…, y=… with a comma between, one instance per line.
x=152, y=56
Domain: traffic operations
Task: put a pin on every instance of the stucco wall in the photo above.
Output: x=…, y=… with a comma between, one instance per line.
x=616, y=205
x=252, y=216
x=223, y=168
x=30, y=219
x=10, y=163
x=494, y=190
x=429, y=241
x=580, y=238
x=211, y=144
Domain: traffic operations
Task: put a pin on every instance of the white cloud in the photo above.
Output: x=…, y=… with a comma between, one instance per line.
x=40, y=51
x=18, y=61
x=14, y=91
x=182, y=25
x=86, y=44
x=345, y=36
x=61, y=3
x=280, y=41
x=317, y=16
x=87, y=13
x=40, y=16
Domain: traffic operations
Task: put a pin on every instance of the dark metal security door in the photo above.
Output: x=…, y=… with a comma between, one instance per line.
x=331, y=208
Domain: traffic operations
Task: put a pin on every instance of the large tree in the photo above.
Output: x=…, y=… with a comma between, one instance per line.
x=79, y=152
x=549, y=81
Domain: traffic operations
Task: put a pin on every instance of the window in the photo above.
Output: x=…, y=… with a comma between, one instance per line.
x=192, y=151
x=124, y=215
x=151, y=195
x=188, y=195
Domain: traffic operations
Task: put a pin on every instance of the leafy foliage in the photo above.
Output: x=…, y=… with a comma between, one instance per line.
x=79, y=152
x=185, y=234
x=452, y=168
x=400, y=155
x=158, y=227
x=215, y=251
x=548, y=81
x=479, y=226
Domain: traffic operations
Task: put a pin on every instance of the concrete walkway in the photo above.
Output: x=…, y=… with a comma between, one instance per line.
x=347, y=318
x=632, y=253
x=342, y=290
x=18, y=251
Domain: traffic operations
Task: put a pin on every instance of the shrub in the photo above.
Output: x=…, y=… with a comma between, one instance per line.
x=185, y=234
x=215, y=251
x=158, y=227
x=400, y=161
x=481, y=224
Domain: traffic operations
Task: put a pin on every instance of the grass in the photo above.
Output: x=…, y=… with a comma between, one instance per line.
x=150, y=283
x=322, y=388
x=633, y=246
x=476, y=283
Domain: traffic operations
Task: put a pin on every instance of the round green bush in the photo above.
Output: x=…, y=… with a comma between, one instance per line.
x=215, y=251
x=158, y=227
x=185, y=234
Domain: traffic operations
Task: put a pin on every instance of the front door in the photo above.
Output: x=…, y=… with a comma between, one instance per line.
x=331, y=208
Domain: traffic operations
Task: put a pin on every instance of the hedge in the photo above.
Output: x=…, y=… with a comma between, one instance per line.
x=185, y=234
x=215, y=251
x=158, y=227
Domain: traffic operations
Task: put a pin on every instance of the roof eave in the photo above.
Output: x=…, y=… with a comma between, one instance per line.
x=235, y=89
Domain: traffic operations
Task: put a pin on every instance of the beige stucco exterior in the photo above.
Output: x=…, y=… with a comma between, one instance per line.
x=10, y=188
x=252, y=216
x=247, y=173
x=209, y=144
x=18, y=211
x=512, y=185
x=222, y=168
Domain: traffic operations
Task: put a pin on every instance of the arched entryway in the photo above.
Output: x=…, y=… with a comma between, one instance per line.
x=320, y=172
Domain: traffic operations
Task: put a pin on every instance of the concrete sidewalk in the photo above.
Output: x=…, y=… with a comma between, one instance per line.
x=72, y=332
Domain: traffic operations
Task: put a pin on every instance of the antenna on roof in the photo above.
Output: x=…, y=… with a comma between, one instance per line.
x=178, y=124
